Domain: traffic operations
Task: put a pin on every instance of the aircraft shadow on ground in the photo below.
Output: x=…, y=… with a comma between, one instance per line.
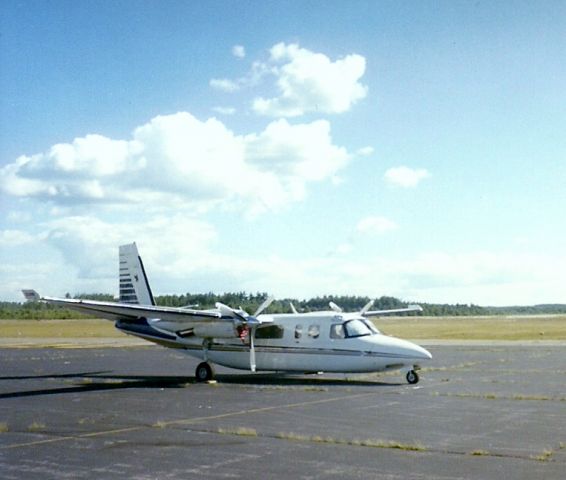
x=100, y=381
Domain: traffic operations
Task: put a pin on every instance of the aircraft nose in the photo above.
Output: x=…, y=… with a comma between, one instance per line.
x=420, y=352
x=409, y=350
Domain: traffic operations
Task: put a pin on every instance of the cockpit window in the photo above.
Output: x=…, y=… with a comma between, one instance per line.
x=357, y=328
x=337, y=331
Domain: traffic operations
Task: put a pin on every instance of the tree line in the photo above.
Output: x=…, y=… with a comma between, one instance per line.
x=251, y=301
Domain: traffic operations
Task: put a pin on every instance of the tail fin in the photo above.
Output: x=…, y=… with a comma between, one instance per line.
x=134, y=286
x=31, y=295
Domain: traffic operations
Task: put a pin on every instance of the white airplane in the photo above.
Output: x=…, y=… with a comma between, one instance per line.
x=328, y=341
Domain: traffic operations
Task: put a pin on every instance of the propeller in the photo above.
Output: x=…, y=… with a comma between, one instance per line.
x=335, y=307
x=367, y=306
x=248, y=320
x=268, y=301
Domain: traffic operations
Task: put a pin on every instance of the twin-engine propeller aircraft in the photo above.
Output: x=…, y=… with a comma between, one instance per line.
x=329, y=341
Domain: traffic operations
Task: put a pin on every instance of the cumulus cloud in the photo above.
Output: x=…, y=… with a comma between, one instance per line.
x=405, y=177
x=375, y=225
x=90, y=243
x=309, y=82
x=180, y=158
x=239, y=51
x=224, y=85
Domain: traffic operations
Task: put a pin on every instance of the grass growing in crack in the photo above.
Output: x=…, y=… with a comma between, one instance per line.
x=493, y=396
x=480, y=453
x=84, y=421
x=242, y=431
x=369, y=442
x=36, y=427
x=4, y=427
x=293, y=436
x=159, y=424
x=544, y=456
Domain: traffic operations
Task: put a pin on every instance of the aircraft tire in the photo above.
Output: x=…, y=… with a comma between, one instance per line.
x=204, y=372
x=412, y=377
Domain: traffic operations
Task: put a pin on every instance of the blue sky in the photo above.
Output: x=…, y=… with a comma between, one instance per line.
x=414, y=149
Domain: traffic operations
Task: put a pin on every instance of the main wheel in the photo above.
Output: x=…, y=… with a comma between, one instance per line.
x=204, y=372
x=412, y=377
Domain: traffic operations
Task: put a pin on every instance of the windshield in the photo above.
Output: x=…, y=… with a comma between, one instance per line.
x=357, y=328
x=372, y=327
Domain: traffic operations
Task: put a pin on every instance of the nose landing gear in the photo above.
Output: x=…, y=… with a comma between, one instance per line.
x=412, y=377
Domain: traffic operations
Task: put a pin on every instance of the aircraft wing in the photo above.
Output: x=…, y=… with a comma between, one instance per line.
x=123, y=311
x=410, y=308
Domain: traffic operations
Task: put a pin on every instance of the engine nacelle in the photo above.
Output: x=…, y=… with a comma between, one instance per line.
x=215, y=330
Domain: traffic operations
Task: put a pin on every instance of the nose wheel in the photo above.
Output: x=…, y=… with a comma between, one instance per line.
x=412, y=377
x=204, y=372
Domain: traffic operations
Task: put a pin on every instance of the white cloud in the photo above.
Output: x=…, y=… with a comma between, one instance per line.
x=181, y=253
x=224, y=84
x=310, y=82
x=365, y=151
x=405, y=177
x=485, y=278
x=90, y=243
x=15, y=238
x=375, y=225
x=178, y=158
x=19, y=216
x=239, y=51
x=224, y=110
x=306, y=81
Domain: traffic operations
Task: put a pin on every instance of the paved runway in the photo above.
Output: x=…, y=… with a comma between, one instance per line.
x=479, y=412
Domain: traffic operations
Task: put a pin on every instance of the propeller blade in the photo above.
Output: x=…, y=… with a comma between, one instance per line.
x=268, y=301
x=335, y=307
x=230, y=312
x=252, y=350
x=367, y=306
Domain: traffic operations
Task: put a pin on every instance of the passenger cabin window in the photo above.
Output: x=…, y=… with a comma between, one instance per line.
x=298, y=331
x=272, y=331
x=337, y=331
x=314, y=331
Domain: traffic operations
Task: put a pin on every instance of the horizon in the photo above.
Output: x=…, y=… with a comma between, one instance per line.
x=361, y=298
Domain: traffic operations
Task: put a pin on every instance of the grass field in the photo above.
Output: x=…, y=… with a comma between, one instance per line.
x=529, y=327
x=551, y=327
x=88, y=328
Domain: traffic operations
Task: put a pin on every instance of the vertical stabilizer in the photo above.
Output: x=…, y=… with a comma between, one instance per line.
x=134, y=286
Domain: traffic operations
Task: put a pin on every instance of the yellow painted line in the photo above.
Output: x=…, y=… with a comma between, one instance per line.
x=186, y=421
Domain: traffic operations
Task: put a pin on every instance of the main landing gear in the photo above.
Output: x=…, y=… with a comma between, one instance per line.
x=412, y=377
x=204, y=372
